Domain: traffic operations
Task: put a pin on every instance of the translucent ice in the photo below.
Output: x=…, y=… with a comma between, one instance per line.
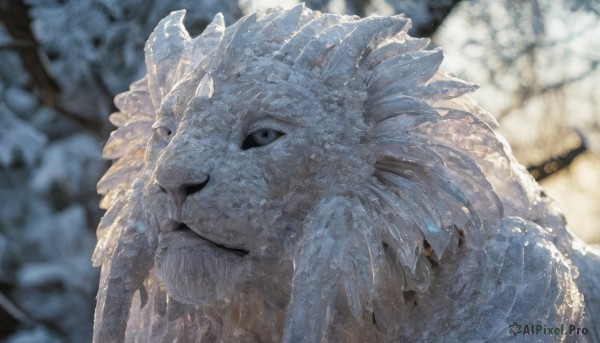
x=305, y=177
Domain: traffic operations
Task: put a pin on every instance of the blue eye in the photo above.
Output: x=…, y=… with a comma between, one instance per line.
x=260, y=137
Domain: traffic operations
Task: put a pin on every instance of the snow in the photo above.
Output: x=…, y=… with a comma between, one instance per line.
x=20, y=101
x=68, y=163
x=18, y=140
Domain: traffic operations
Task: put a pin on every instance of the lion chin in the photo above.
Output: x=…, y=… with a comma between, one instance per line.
x=309, y=177
x=188, y=263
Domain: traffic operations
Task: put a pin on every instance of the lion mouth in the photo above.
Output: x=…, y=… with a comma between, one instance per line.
x=182, y=227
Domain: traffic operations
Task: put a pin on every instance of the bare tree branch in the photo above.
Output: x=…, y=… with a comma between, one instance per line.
x=15, y=16
x=556, y=163
x=439, y=11
x=16, y=44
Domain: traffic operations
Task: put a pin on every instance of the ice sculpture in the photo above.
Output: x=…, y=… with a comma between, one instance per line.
x=308, y=177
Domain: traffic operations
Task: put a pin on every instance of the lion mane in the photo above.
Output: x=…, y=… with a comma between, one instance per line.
x=429, y=228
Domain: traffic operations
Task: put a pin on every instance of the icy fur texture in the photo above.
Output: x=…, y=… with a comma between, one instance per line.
x=388, y=209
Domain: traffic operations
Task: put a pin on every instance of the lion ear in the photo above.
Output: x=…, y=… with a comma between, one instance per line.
x=171, y=53
x=205, y=43
x=164, y=50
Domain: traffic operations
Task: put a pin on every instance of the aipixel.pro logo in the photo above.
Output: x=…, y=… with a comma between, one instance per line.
x=542, y=329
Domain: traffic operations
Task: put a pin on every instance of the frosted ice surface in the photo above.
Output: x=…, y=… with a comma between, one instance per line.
x=301, y=177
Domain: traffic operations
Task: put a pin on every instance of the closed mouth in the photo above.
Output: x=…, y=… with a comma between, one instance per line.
x=182, y=227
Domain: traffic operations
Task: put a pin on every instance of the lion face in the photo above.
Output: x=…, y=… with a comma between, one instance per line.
x=233, y=176
x=270, y=148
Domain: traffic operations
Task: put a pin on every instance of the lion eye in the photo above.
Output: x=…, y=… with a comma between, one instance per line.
x=162, y=133
x=260, y=137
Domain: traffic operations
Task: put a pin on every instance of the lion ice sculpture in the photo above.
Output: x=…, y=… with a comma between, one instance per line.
x=308, y=177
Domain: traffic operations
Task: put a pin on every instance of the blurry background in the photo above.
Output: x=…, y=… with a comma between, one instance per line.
x=62, y=62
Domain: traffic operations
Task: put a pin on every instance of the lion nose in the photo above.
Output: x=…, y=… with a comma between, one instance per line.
x=179, y=177
x=182, y=168
x=194, y=188
x=180, y=191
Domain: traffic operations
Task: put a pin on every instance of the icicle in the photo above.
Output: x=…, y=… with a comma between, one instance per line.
x=399, y=104
x=284, y=24
x=443, y=89
x=344, y=61
x=407, y=149
x=234, y=45
x=400, y=227
x=396, y=48
x=316, y=51
x=127, y=138
x=135, y=102
x=319, y=24
x=403, y=72
x=121, y=174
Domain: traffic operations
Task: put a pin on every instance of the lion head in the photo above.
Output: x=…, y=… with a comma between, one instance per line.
x=316, y=172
